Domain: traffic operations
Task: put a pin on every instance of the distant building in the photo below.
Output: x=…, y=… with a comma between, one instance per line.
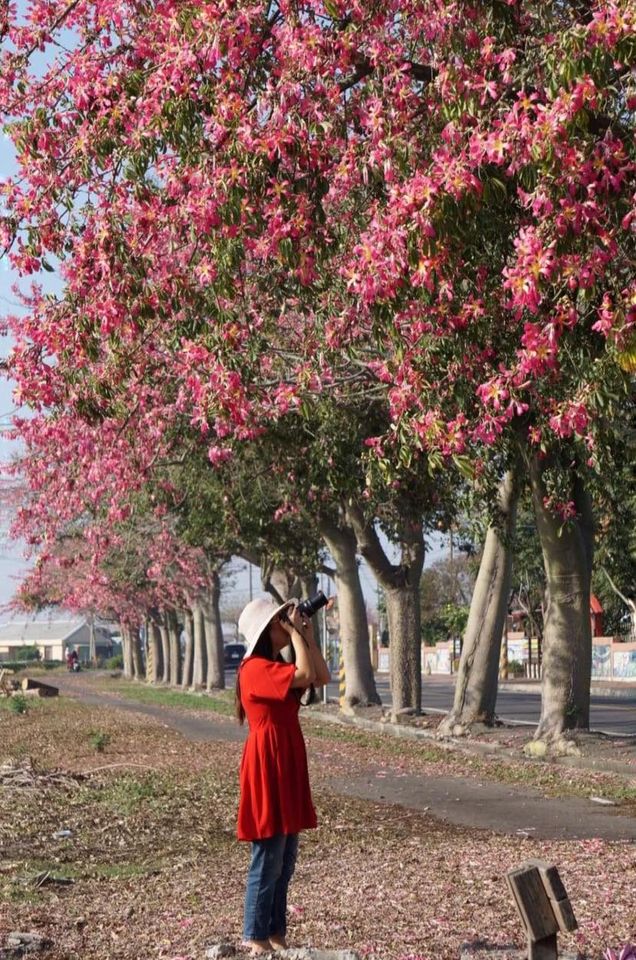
x=517, y=618
x=53, y=638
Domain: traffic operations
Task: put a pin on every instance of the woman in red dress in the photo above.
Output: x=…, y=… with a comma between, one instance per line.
x=275, y=799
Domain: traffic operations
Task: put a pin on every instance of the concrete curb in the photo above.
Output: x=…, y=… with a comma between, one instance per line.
x=626, y=692
x=468, y=747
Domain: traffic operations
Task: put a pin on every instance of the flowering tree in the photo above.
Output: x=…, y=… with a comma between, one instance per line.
x=133, y=572
x=279, y=496
x=327, y=483
x=252, y=203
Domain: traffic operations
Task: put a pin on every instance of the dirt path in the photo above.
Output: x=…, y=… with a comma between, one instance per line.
x=481, y=804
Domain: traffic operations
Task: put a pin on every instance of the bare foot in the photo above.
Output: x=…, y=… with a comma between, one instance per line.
x=257, y=947
x=278, y=942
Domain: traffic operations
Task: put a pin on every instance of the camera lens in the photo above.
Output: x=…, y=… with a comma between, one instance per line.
x=312, y=605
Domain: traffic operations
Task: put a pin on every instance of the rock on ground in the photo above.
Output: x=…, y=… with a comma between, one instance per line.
x=483, y=950
x=308, y=953
x=20, y=944
x=218, y=951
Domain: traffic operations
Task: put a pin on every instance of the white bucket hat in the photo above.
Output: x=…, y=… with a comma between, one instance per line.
x=255, y=618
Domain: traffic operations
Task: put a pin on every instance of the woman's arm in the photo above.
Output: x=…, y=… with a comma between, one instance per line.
x=305, y=671
x=321, y=670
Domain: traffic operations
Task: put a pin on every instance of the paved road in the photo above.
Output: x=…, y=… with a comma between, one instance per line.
x=607, y=714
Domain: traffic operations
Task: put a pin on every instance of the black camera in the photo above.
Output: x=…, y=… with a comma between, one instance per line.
x=312, y=605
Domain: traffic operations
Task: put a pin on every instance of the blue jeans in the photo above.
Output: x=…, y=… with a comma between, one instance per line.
x=271, y=869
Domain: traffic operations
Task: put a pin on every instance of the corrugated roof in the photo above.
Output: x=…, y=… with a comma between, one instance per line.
x=38, y=631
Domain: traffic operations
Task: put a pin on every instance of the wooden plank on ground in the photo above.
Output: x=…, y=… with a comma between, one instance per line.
x=532, y=901
x=557, y=893
x=45, y=689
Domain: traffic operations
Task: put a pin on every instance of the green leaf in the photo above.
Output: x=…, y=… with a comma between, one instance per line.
x=465, y=466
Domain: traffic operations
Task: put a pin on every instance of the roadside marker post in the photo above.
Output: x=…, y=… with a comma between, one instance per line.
x=543, y=905
x=342, y=688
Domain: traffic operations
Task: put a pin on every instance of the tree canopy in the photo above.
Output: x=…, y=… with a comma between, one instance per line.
x=257, y=207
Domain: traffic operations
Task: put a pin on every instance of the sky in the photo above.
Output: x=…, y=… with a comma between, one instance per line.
x=12, y=564
x=238, y=584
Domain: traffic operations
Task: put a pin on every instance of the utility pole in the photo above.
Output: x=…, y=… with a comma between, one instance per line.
x=453, y=570
x=249, y=568
x=92, y=651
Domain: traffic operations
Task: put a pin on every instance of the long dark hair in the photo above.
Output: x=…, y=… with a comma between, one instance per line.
x=264, y=649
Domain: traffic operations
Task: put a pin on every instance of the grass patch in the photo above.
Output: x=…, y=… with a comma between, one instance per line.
x=384, y=744
x=556, y=781
x=23, y=887
x=326, y=731
x=127, y=794
x=18, y=892
x=122, y=871
x=78, y=871
x=625, y=793
x=99, y=740
x=20, y=705
x=25, y=709
x=173, y=698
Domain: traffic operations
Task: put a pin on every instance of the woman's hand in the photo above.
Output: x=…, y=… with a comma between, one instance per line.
x=294, y=626
x=291, y=619
x=308, y=630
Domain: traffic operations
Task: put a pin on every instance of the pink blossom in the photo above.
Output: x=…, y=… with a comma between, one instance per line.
x=605, y=312
x=219, y=455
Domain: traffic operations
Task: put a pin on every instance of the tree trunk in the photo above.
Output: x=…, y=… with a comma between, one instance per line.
x=188, y=626
x=280, y=583
x=174, y=648
x=401, y=584
x=567, y=548
x=403, y=616
x=126, y=644
x=154, y=665
x=165, y=649
x=199, y=663
x=354, y=629
x=138, y=663
x=308, y=585
x=214, y=635
x=92, y=646
x=476, y=688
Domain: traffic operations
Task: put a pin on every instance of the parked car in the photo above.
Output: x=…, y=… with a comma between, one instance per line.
x=233, y=654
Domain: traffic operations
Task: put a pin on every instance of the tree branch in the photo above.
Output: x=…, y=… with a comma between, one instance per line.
x=50, y=29
x=364, y=68
x=370, y=546
x=630, y=604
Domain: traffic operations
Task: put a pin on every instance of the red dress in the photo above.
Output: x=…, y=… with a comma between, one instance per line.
x=274, y=782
